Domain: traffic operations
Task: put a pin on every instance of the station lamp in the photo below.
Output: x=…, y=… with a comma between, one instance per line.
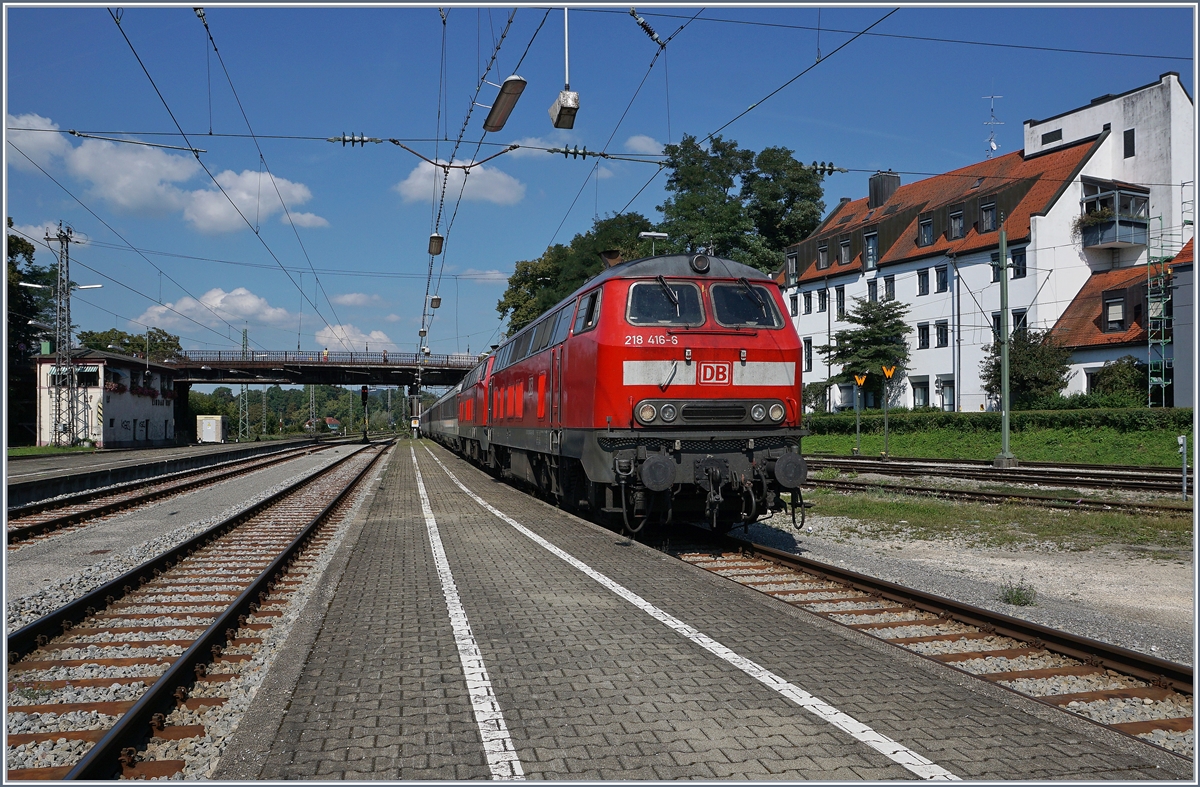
x=502, y=107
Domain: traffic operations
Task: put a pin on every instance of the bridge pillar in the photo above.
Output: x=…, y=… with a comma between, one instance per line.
x=185, y=423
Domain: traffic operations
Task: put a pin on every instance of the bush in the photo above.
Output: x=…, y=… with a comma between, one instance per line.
x=1128, y=419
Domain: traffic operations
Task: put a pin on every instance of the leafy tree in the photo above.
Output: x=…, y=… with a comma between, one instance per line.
x=877, y=341
x=537, y=285
x=162, y=345
x=24, y=304
x=1038, y=367
x=1126, y=377
x=783, y=201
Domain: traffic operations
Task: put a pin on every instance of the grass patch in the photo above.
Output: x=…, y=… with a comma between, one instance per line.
x=1154, y=448
x=1019, y=594
x=878, y=514
x=48, y=450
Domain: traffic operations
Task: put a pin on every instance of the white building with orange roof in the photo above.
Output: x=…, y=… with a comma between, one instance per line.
x=933, y=244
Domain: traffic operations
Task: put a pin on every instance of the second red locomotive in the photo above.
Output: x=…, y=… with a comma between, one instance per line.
x=665, y=387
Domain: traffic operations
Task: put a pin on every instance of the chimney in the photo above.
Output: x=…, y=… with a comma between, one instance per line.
x=883, y=186
x=611, y=257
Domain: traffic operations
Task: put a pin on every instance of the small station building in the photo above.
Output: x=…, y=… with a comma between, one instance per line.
x=124, y=402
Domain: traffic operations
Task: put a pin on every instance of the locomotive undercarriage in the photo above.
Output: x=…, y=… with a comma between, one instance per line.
x=636, y=479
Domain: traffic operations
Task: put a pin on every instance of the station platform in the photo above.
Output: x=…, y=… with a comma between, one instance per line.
x=454, y=641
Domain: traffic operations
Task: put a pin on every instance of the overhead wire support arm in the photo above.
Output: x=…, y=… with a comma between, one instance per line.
x=82, y=135
x=448, y=167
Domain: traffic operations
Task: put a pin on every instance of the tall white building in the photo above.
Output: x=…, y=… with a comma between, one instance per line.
x=1126, y=162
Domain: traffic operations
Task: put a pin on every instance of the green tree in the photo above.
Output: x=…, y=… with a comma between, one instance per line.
x=783, y=201
x=1126, y=377
x=162, y=345
x=1038, y=366
x=877, y=341
x=537, y=285
x=24, y=340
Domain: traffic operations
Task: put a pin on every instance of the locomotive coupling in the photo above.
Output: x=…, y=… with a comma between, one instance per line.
x=790, y=470
x=658, y=472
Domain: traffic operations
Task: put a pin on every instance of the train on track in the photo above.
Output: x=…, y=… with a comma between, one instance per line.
x=664, y=388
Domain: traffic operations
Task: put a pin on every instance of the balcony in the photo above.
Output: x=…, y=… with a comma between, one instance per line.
x=1116, y=233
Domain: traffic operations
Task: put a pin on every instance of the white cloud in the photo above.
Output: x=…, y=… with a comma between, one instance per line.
x=306, y=220
x=603, y=172
x=640, y=143
x=492, y=276
x=355, y=299
x=209, y=211
x=41, y=146
x=485, y=184
x=349, y=337
x=146, y=180
x=392, y=318
x=237, y=304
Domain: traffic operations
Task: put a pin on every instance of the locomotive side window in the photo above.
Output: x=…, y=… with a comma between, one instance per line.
x=563, y=325
x=664, y=303
x=745, y=305
x=541, y=335
x=589, y=312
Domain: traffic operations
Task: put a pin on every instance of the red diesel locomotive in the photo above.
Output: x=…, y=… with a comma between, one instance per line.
x=665, y=387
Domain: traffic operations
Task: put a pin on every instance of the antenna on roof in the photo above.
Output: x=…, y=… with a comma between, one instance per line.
x=992, y=145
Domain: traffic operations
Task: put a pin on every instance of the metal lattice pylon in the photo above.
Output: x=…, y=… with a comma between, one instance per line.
x=68, y=404
x=244, y=398
x=312, y=407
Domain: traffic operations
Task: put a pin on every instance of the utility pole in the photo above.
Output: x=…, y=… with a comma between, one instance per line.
x=244, y=399
x=68, y=416
x=1005, y=458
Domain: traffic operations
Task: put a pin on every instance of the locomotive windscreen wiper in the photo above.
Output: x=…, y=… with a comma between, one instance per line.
x=671, y=296
x=753, y=294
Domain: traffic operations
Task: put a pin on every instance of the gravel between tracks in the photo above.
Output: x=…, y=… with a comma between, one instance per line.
x=1119, y=595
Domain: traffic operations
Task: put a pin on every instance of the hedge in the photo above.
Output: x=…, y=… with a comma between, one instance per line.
x=1131, y=419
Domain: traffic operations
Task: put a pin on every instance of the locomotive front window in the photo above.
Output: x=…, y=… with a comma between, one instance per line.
x=665, y=303
x=745, y=305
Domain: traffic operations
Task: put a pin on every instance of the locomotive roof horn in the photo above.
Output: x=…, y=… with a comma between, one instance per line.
x=611, y=257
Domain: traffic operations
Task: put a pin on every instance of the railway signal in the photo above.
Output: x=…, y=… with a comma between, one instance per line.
x=888, y=371
x=859, y=380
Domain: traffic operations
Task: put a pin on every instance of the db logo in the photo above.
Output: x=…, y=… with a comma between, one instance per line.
x=716, y=373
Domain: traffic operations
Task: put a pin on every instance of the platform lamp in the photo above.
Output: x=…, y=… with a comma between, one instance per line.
x=435, y=244
x=566, y=106
x=503, y=106
x=653, y=236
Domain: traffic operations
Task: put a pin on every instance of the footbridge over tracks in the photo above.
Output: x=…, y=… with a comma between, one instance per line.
x=291, y=367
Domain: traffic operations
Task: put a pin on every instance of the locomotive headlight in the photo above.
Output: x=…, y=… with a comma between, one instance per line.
x=758, y=412
x=646, y=412
x=777, y=412
x=668, y=412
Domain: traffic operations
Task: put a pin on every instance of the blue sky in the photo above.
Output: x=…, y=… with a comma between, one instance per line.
x=361, y=216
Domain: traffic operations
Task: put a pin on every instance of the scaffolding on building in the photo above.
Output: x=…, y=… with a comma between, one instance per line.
x=1164, y=244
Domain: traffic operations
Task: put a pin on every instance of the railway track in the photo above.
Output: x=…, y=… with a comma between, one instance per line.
x=1132, y=693
x=1141, y=479
x=115, y=683
x=43, y=518
x=1048, y=499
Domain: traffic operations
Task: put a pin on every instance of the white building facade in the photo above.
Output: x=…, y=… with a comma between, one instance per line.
x=125, y=403
x=932, y=244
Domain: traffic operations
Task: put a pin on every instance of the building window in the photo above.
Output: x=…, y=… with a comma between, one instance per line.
x=1114, y=314
x=995, y=266
x=941, y=277
x=840, y=292
x=870, y=251
x=1129, y=146
x=956, y=225
x=925, y=233
x=1018, y=318
x=987, y=218
x=872, y=291
x=920, y=394
x=889, y=288
x=822, y=300
x=923, y=336
x=795, y=305
x=1052, y=136
x=923, y=281
x=808, y=303
x=943, y=333
x=791, y=268
x=112, y=422
x=995, y=326
x=844, y=253
x=823, y=257
x=1018, y=264
x=808, y=354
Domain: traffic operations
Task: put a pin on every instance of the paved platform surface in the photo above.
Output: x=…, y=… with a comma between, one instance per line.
x=573, y=681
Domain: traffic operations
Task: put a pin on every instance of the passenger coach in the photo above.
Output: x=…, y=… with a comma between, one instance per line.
x=664, y=387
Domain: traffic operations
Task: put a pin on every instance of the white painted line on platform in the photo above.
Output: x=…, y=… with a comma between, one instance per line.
x=894, y=751
x=497, y=745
